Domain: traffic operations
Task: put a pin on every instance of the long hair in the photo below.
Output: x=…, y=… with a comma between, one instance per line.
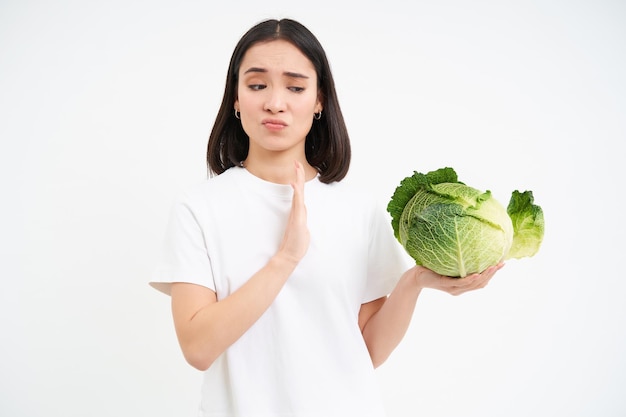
x=327, y=145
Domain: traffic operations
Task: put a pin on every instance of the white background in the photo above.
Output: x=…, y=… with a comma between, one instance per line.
x=105, y=110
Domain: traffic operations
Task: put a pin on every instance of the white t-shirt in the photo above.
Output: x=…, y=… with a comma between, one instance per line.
x=305, y=356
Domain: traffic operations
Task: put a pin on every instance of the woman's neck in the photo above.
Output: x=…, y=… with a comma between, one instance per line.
x=278, y=170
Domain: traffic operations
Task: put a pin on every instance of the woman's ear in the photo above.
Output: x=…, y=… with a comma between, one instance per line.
x=319, y=106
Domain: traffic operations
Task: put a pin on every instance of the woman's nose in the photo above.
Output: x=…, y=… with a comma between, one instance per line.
x=275, y=101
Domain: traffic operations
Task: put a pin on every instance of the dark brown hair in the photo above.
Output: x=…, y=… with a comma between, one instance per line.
x=327, y=145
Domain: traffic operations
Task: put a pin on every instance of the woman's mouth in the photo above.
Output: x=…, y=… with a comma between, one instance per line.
x=274, y=124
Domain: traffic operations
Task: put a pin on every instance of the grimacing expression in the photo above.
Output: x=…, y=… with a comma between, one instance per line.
x=277, y=96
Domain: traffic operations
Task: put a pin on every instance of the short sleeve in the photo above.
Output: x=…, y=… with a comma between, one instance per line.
x=184, y=256
x=387, y=260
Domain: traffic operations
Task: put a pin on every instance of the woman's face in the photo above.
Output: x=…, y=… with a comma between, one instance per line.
x=277, y=98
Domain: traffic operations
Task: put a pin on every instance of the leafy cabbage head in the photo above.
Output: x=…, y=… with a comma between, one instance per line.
x=456, y=230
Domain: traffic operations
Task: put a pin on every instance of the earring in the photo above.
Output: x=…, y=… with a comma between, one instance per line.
x=237, y=113
x=317, y=115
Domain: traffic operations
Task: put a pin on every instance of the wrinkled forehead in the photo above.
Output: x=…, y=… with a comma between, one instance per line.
x=276, y=56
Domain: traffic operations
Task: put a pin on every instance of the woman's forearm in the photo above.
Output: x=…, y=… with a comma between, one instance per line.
x=385, y=329
x=206, y=327
x=207, y=330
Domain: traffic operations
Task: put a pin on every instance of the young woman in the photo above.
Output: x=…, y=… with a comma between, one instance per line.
x=287, y=286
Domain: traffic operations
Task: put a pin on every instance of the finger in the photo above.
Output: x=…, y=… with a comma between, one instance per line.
x=475, y=281
x=298, y=208
x=487, y=273
x=491, y=271
x=298, y=185
x=481, y=280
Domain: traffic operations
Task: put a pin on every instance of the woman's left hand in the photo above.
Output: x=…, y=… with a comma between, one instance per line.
x=456, y=286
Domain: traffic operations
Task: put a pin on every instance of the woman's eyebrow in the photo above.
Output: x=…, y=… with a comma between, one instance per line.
x=286, y=73
x=255, y=69
x=295, y=75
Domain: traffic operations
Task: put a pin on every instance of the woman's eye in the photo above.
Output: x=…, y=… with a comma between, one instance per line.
x=296, y=89
x=256, y=87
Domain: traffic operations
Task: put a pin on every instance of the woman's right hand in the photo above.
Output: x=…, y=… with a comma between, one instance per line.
x=297, y=237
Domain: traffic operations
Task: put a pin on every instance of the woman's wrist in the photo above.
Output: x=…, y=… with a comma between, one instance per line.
x=412, y=280
x=284, y=261
x=421, y=276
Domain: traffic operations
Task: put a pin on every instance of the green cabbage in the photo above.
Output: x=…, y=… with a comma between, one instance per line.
x=457, y=230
